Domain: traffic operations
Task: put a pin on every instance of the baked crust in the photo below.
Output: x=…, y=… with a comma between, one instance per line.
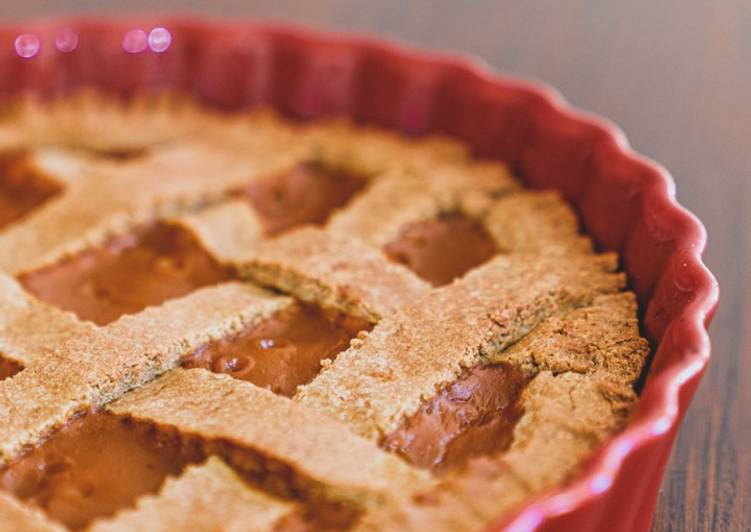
x=92, y=121
x=205, y=497
x=403, y=197
x=570, y=406
x=29, y=329
x=227, y=230
x=371, y=151
x=325, y=460
x=427, y=343
x=567, y=415
x=535, y=222
x=343, y=273
x=101, y=364
x=601, y=339
x=546, y=305
x=115, y=198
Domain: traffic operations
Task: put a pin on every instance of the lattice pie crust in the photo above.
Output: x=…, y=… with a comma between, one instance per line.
x=540, y=306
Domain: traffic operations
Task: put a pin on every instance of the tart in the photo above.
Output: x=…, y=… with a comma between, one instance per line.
x=237, y=322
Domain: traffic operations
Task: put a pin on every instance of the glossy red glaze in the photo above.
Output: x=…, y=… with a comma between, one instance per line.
x=625, y=201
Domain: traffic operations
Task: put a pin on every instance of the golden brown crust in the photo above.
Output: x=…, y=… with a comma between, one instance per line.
x=329, y=462
x=259, y=131
x=101, y=364
x=602, y=338
x=400, y=198
x=226, y=230
x=115, y=198
x=582, y=366
x=206, y=497
x=535, y=222
x=566, y=417
x=29, y=329
x=333, y=271
x=92, y=121
x=467, y=502
x=371, y=151
x=374, y=385
x=550, y=307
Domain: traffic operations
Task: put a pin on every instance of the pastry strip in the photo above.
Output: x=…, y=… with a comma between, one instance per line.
x=205, y=497
x=101, y=364
x=226, y=231
x=400, y=198
x=411, y=353
x=117, y=197
x=535, y=222
x=30, y=329
x=602, y=338
x=332, y=271
x=60, y=165
x=372, y=151
x=91, y=121
x=326, y=461
x=567, y=414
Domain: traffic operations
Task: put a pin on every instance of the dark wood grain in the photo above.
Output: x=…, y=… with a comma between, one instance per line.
x=676, y=75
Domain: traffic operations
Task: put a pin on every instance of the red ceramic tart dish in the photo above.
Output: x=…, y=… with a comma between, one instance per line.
x=625, y=202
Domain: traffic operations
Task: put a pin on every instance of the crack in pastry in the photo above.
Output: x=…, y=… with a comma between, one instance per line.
x=601, y=338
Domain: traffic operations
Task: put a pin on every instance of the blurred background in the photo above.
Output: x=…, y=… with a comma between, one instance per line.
x=676, y=76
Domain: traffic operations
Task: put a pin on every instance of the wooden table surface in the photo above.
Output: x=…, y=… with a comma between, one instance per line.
x=676, y=75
